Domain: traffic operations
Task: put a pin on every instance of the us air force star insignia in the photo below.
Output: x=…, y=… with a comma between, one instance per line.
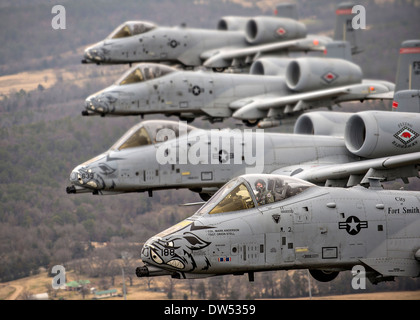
x=173, y=43
x=353, y=225
x=196, y=90
x=223, y=156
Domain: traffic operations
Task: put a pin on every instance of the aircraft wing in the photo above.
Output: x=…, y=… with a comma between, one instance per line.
x=257, y=106
x=385, y=95
x=223, y=57
x=385, y=168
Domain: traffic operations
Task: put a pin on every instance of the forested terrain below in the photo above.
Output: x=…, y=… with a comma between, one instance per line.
x=43, y=135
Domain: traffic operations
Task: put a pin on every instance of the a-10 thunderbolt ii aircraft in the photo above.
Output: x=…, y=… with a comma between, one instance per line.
x=276, y=88
x=289, y=88
x=245, y=229
x=236, y=42
x=159, y=154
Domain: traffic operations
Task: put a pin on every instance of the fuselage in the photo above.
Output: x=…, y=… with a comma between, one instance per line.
x=184, y=93
x=164, y=44
x=203, y=160
x=153, y=88
x=330, y=229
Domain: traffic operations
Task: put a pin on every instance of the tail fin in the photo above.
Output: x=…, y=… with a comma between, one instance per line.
x=339, y=50
x=286, y=10
x=408, y=70
x=343, y=26
x=406, y=101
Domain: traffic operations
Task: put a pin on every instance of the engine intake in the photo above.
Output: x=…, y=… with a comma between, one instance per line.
x=372, y=134
x=322, y=123
x=268, y=29
x=232, y=23
x=269, y=66
x=305, y=74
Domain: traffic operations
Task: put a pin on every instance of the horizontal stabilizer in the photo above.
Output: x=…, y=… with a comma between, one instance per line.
x=407, y=101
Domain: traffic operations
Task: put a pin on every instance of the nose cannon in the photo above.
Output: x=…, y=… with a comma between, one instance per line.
x=151, y=271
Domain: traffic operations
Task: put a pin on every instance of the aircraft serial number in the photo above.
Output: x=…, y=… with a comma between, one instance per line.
x=87, y=175
x=168, y=252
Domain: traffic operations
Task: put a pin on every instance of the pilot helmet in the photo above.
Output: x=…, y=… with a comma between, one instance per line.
x=260, y=185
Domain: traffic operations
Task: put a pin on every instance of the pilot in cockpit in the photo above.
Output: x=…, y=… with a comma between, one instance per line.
x=263, y=195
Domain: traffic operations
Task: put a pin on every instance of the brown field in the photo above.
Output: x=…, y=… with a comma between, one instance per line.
x=78, y=75
x=41, y=283
x=27, y=81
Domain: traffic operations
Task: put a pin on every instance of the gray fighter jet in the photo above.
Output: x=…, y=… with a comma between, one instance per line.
x=276, y=88
x=236, y=42
x=157, y=154
x=273, y=222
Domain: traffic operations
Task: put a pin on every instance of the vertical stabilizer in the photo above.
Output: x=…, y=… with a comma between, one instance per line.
x=286, y=10
x=338, y=50
x=408, y=70
x=344, y=30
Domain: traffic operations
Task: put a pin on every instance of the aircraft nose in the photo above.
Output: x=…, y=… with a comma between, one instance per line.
x=145, y=253
x=163, y=253
x=74, y=177
x=154, y=265
x=94, y=53
x=86, y=178
x=96, y=105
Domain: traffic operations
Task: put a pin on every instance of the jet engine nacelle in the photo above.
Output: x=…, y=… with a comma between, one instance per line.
x=268, y=29
x=322, y=123
x=372, y=134
x=304, y=74
x=269, y=66
x=232, y=23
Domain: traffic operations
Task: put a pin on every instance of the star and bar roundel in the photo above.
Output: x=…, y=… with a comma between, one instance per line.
x=353, y=225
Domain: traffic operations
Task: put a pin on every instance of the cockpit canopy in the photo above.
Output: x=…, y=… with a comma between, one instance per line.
x=131, y=28
x=151, y=132
x=144, y=72
x=250, y=191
